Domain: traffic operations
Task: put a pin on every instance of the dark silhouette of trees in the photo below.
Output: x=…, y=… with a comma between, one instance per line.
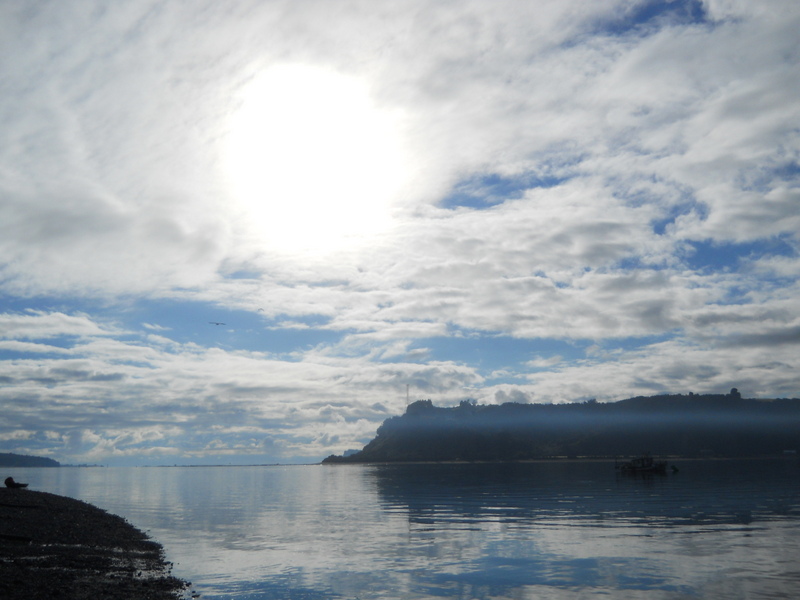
x=691, y=425
x=22, y=460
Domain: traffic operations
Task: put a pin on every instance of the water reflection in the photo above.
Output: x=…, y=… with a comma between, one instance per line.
x=536, y=530
x=558, y=529
x=589, y=493
x=564, y=529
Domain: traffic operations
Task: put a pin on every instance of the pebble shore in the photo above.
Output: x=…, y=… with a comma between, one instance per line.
x=61, y=548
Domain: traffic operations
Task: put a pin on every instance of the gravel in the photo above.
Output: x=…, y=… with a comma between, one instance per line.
x=61, y=548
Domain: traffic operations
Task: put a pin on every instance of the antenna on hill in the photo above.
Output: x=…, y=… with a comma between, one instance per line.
x=407, y=397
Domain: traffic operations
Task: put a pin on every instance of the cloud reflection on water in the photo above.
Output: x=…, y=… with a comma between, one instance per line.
x=538, y=530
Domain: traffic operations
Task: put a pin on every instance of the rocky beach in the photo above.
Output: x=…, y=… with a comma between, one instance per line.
x=61, y=548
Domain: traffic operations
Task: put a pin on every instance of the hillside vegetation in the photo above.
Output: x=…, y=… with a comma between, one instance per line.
x=21, y=460
x=675, y=425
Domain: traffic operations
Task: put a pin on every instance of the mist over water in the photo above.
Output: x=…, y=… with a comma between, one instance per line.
x=555, y=530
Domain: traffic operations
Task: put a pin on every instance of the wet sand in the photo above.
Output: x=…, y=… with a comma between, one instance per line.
x=61, y=548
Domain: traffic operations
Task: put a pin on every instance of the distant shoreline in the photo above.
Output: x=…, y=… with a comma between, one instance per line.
x=54, y=546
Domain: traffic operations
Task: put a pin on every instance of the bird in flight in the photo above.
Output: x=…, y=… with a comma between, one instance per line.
x=216, y=323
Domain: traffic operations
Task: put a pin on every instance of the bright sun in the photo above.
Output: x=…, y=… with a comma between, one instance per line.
x=315, y=164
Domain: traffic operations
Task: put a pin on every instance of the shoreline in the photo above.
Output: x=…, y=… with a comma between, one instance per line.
x=57, y=547
x=558, y=459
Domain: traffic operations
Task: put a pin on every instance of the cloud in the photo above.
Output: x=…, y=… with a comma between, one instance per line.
x=31, y=348
x=36, y=324
x=615, y=182
x=181, y=394
x=673, y=367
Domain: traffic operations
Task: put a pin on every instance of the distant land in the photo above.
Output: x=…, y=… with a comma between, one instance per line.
x=693, y=425
x=22, y=460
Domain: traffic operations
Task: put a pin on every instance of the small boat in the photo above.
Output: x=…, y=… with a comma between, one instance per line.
x=644, y=464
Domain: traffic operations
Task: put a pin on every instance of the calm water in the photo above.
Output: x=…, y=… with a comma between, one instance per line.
x=716, y=529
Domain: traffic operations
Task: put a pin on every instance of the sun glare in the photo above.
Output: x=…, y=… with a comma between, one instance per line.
x=315, y=164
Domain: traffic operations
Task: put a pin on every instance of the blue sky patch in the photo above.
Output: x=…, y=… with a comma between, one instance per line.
x=212, y=325
x=653, y=14
x=201, y=323
x=484, y=191
x=717, y=256
x=490, y=353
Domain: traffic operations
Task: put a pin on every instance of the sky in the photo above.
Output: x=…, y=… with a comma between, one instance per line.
x=249, y=232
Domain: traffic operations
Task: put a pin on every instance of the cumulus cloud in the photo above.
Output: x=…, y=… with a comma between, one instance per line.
x=619, y=178
x=118, y=397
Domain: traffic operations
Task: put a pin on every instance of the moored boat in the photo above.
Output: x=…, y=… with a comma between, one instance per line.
x=643, y=464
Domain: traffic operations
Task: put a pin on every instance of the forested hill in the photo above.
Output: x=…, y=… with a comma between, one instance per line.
x=676, y=425
x=22, y=460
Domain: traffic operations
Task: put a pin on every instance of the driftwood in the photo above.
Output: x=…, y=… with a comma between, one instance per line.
x=10, y=483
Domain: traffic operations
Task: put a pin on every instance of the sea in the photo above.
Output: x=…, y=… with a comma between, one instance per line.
x=550, y=530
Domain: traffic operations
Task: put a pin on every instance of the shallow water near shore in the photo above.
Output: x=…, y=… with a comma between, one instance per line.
x=543, y=530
